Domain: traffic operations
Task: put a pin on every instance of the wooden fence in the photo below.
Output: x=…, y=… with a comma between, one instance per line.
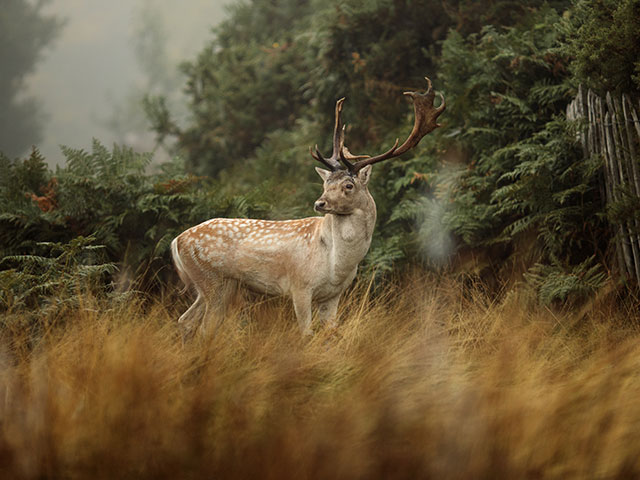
x=612, y=131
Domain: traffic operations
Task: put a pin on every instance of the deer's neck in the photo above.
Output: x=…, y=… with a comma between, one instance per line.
x=347, y=238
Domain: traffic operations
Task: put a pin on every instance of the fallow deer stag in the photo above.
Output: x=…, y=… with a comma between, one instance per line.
x=312, y=260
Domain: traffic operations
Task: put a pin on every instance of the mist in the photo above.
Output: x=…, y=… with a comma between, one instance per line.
x=91, y=78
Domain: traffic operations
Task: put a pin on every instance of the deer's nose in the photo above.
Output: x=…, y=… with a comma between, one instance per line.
x=319, y=205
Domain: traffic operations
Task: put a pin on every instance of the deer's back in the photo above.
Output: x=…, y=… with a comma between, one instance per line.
x=266, y=255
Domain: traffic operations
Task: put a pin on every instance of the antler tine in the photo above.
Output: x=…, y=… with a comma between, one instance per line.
x=318, y=156
x=347, y=157
x=338, y=132
x=426, y=115
x=333, y=162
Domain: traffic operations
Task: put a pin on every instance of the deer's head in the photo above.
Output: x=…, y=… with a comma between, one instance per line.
x=345, y=181
x=343, y=192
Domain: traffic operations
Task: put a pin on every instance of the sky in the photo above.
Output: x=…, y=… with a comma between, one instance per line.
x=91, y=66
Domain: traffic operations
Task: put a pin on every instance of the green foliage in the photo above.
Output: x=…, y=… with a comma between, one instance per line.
x=248, y=82
x=21, y=218
x=625, y=209
x=551, y=190
x=55, y=278
x=504, y=176
x=107, y=195
x=273, y=63
x=603, y=37
x=471, y=16
x=513, y=180
x=370, y=52
x=525, y=174
x=556, y=283
x=410, y=214
x=24, y=33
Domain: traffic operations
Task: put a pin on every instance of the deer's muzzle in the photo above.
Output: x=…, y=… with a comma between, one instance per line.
x=320, y=206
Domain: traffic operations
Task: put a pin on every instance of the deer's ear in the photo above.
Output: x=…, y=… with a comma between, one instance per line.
x=323, y=173
x=365, y=174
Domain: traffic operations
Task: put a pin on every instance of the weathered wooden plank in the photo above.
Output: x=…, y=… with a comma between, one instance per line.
x=580, y=102
x=609, y=177
x=594, y=144
x=611, y=159
x=607, y=150
x=622, y=159
x=632, y=139
x=634, y=115
x=592, y=141
x=614, y=147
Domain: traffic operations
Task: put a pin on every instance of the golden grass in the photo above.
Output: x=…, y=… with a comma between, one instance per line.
x=430, y=379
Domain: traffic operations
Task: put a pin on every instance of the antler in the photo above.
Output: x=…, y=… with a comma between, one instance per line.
x=426, y=115
x=333, y=162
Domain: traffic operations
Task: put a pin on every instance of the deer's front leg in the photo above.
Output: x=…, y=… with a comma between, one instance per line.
x=327, y=311
x=302, y=306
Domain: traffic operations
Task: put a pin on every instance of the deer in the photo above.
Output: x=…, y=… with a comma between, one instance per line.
x=311, y=260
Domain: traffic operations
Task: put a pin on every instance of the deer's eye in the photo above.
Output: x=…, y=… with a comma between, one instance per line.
x=348, y=186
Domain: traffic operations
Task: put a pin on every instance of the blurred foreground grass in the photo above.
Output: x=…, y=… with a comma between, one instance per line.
x=429, y=379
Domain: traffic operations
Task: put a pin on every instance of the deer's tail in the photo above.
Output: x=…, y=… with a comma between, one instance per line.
x=177, y=261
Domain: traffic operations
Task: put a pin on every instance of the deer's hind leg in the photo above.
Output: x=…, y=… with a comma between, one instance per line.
x=194, y=315
x=205, y=309
x=218, y=304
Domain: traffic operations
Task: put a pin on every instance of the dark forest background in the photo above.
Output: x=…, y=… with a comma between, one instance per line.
x=503, y=192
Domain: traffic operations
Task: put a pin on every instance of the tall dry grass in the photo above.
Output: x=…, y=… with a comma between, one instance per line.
x=429, y=379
